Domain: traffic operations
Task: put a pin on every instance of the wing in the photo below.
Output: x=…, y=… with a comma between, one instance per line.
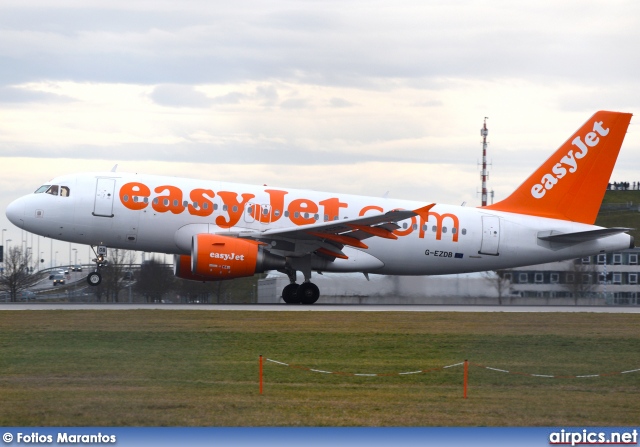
x=328, y=238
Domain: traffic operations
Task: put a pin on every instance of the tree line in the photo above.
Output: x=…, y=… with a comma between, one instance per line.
x=123, y=280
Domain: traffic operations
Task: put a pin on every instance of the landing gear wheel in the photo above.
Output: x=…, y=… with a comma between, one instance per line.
x=289, y=294
x=94, y=278
x=308, y=293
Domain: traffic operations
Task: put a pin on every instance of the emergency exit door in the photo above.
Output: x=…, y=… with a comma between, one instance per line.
x=490, y=236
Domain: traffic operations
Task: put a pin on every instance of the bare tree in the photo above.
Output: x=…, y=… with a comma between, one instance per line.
x=114, y=276
x=18, y=273
x=580, y=279
x=199, y=291
x=500, y=280
x=154, y=280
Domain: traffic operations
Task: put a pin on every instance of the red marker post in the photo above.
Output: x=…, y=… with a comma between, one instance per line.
x=466, y=378
x=260, y=374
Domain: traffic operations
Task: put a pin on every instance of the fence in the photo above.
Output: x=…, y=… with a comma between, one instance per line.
x=464, y=363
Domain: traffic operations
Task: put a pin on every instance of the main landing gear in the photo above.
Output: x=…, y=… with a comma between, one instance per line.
x=95, y=278
x=305, y=293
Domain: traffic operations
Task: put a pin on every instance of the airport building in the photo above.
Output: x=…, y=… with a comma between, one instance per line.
x=604, y=279
x=611, y=278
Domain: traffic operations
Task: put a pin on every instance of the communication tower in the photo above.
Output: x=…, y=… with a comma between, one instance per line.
x=484, y=132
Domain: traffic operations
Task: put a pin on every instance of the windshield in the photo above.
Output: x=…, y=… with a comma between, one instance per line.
x=54, y=190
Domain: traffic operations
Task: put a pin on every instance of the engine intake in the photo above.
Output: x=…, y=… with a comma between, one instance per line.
x=214, y=257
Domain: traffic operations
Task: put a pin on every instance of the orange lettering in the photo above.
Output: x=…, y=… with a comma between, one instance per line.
x=368, y=208
x=201, y=197
x=276, y=200
x=439, y=220
x=130, y=193
x=171, y=202
x=297, y=209
x=234, y=208
x=332, y=208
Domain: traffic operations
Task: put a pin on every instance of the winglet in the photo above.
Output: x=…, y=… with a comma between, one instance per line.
x=570, y=185
x=424, y=211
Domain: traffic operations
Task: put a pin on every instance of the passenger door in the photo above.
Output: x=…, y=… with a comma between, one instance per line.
x=103, y=205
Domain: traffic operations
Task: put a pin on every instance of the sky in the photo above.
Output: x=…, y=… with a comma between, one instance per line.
x=361, y=97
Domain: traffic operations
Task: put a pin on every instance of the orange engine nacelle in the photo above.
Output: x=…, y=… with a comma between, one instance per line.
x=182, y=268
x=215, y=257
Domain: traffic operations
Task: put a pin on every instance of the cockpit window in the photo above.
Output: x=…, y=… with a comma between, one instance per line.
x=54, y=190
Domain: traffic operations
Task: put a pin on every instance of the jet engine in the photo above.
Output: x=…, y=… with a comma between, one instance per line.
x=214, y=257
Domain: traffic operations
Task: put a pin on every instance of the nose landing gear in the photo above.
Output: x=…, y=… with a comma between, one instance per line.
x=95, y=278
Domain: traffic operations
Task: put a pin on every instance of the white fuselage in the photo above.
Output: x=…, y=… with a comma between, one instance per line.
x=105, y=209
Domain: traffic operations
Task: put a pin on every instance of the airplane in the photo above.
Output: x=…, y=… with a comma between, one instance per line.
x=219, y=231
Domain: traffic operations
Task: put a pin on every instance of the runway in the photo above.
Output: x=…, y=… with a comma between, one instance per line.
x=324, y=308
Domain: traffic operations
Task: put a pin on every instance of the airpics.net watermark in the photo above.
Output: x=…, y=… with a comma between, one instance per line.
x=59, y=438
x=592, y=437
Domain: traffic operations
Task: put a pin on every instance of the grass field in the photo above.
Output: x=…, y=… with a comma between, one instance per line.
x=200, y=368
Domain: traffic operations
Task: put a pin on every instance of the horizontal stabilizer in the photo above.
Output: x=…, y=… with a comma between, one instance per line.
x=582, y=236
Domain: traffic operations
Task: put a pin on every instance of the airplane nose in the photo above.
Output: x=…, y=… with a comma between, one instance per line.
x=15, y=212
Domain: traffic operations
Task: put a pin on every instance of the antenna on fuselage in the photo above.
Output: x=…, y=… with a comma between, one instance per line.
x=114, y=167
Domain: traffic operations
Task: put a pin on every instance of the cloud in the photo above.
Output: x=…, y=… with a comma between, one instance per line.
x=172, y=95
x=230, y=98
x=340, y=103
x=430, y=103
x=9, y=94
x=350, y=43
x=295, y=103
x=311, y=84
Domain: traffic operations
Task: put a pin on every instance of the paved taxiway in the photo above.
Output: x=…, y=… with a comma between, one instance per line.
x=323, y=308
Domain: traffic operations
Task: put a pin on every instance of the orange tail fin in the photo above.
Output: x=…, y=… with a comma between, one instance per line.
x=570, y=185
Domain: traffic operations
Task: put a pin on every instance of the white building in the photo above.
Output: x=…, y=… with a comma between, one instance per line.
x=604, y=279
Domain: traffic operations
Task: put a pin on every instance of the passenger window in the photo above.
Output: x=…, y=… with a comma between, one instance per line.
x=53, y=190
x=64, y=191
